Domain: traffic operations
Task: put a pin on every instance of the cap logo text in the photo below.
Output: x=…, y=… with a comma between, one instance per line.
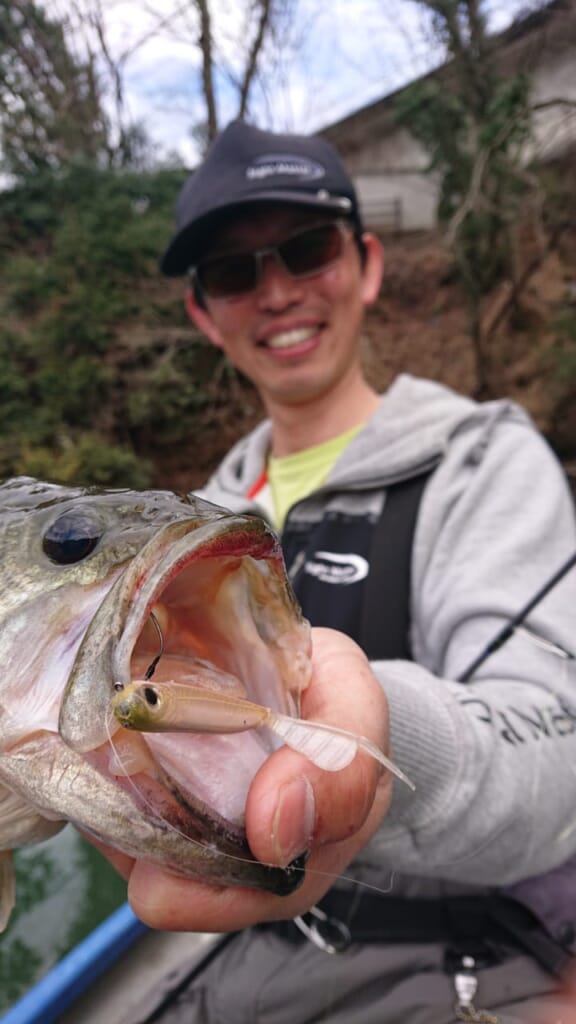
x=284, y=164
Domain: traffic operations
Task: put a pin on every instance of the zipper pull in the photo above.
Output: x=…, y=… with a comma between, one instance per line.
x=466, y=985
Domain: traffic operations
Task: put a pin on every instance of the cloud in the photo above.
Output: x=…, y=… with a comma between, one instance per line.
x=334, y=59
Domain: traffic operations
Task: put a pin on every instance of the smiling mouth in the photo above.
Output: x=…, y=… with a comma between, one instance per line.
x=292, y=338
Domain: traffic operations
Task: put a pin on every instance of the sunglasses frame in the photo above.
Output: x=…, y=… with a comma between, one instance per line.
x=258, y=256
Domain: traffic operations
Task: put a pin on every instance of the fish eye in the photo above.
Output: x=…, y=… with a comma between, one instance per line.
x=71, y=538
x=151, y=696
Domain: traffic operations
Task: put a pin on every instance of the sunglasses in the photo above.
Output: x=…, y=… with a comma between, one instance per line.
x=305, y=253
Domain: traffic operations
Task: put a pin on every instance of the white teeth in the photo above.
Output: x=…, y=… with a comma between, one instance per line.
x=287, y=338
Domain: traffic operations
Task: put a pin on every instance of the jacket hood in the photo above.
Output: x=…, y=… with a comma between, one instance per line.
x=413, y=424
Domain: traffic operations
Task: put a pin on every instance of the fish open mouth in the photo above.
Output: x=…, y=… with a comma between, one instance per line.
x=204, y=605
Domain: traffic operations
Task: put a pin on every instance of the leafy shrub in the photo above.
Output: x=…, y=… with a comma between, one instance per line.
x=166, y=404
x=28, y=283
x=78, y=250
x=87, y=461
x=564, y=352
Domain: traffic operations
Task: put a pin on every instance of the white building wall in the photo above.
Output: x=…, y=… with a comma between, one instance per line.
x=389, y=165
x=555, y=126
x=399, y=201
x=399, y=194
x=395, y=150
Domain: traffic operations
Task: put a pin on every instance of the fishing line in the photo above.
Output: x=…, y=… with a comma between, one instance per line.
x=544, y=644
x=142, y=798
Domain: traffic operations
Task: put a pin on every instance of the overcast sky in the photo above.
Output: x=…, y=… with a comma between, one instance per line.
x=339, y=55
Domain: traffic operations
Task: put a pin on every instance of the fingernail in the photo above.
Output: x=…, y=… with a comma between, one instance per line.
x=293, y=822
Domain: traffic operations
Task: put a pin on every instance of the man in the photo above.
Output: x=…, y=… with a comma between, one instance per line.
x=280, y=273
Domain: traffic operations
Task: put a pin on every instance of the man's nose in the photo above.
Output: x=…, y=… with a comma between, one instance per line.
x=276, y=287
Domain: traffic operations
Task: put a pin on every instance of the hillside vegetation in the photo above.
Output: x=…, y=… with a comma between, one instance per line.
x=103, y=380
x=100, y=376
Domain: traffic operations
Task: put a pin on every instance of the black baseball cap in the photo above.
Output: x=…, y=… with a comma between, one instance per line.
x=245, y=165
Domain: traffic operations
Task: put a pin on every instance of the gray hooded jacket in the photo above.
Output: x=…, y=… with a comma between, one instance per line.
x=493, y=760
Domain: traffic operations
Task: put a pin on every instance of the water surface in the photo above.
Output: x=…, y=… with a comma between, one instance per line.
x=65, y=888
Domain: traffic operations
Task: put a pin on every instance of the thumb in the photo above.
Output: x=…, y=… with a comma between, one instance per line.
x=293, y=806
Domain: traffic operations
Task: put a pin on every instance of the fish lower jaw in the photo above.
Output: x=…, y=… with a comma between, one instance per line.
x=196, y=774
x=157, y=797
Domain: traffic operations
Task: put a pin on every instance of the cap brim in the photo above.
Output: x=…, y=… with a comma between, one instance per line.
x=189, y=244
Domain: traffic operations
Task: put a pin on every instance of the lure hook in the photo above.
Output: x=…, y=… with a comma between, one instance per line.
x=153, y=664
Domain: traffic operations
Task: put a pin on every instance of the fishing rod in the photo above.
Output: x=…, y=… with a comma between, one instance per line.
x=506, y=632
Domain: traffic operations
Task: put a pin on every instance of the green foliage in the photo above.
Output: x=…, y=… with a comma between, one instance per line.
x=87, y=460
x=166, y=405
x=70, y=286
x=474, y=122
x=564, y=352
x=27, y=282
x=74, y=389
x=474, y=149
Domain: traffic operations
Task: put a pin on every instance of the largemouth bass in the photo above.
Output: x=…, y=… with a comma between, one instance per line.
x=103, y=590
x=82, y=572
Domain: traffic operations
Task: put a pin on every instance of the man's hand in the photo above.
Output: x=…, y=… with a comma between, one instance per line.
x=292, y=807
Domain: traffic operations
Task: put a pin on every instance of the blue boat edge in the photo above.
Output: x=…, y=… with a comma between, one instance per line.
x=80, y=968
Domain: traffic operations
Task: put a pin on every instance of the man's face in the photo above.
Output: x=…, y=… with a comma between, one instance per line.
x=295, y=338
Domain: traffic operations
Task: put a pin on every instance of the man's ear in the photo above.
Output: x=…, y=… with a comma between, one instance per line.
x=372, y=269
x=200, y=316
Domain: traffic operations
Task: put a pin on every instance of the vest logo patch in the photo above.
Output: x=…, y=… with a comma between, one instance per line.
x=329, y=567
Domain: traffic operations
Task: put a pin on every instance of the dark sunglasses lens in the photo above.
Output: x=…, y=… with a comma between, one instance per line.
x=312, y=250
x=230, y=275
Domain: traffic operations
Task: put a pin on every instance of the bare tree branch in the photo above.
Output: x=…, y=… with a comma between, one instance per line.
x=205, y=43
x=253, y=55
x=557, y=102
